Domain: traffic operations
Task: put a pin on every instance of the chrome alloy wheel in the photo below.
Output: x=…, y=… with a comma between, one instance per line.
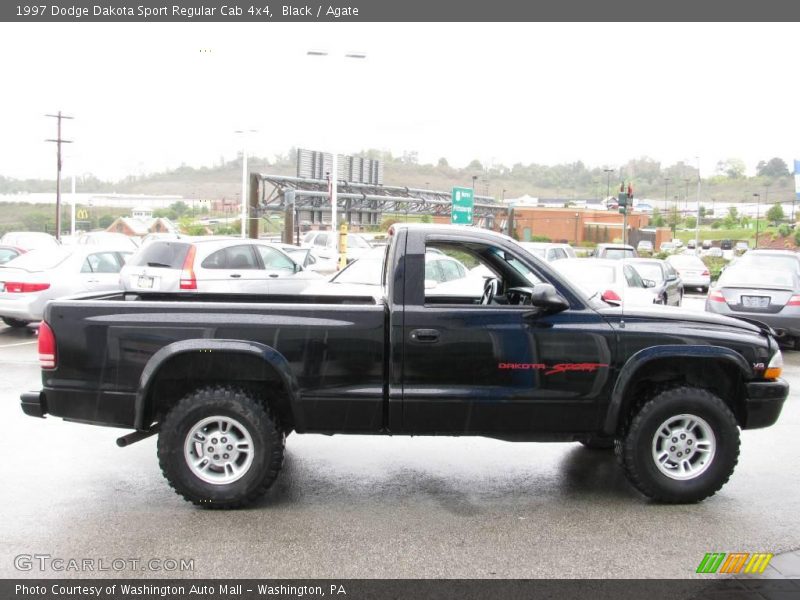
x=684, y=447
x=218, y=450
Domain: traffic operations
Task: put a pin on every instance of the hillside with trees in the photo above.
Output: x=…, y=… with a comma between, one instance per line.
x=651, y=179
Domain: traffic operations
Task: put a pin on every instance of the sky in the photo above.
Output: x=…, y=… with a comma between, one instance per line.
x=146, y=97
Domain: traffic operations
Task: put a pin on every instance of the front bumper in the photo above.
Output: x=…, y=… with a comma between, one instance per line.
x=763, y=402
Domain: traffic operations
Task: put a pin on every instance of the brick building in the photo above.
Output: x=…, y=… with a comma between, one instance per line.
x=573, y=225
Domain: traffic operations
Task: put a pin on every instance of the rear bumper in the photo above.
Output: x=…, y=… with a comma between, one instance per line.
x=33, y=404
x=110, y=409
x=782, y=324
x=764, y=402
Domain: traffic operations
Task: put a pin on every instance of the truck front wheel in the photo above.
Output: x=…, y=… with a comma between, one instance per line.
x=220, y=448
x=682, y=446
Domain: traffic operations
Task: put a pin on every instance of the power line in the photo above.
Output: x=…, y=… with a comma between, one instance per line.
x=59, y=140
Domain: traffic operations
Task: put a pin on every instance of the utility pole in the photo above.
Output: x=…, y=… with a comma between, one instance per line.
x=697, y=222
x=666, y=188
x=58, y=142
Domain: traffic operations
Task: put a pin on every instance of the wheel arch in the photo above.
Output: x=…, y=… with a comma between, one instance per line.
x=188, y=364
x=716, y=368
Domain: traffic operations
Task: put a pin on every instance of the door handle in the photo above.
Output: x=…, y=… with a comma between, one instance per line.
x=425, y=336
x=236, y=275
x=273, y=275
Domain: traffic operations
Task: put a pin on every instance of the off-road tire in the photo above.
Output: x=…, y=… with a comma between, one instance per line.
x=15, y=323
x=635, y=449
x=254, y=416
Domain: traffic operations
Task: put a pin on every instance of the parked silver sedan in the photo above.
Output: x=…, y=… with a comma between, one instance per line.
x=209, y=265
x=692, y=271
x=771, y=296
x=29, y=281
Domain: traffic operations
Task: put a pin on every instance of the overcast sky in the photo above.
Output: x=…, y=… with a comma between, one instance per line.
x=146, y=97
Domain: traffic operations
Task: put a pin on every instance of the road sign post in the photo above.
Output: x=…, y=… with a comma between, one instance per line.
x=463, y=204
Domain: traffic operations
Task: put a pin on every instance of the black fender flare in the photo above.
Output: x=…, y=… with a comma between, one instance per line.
x=266, y=353
x=647, y=355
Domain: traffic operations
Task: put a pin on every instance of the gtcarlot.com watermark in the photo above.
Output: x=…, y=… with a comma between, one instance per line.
x=58, y=564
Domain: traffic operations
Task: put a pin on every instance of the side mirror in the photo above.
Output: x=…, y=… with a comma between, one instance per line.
x=297, y=268
x=545, y=296
x=430, y=284
x=649, y=283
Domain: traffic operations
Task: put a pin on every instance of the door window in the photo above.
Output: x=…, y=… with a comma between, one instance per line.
x=450, y=270
x=101, y=262
x=274, y=259
x=236, y=257
x=632, y=277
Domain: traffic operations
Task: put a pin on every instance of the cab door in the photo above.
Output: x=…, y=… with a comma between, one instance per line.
x=498, y=368
x=100, y=271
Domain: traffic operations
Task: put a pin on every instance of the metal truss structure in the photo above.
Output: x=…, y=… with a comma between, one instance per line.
x=359, y=203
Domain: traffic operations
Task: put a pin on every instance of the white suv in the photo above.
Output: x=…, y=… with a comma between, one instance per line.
x=234, y=266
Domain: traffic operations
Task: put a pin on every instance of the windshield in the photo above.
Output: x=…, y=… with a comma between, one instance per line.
x=168, y=255
x=741, y=276
x=774, y=262
x=618, y=253
x=588, y=275
x=355, y=241
x=366, y=271
x=40, y=260
x=650, y=271
x=687, y=262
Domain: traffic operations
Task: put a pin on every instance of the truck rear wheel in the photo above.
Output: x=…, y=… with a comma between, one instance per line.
x=220, y=448
x=682, y=446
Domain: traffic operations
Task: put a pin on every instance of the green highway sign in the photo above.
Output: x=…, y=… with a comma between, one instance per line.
x=463, y=203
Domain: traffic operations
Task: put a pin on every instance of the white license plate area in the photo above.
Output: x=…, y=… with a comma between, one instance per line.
x=145, y=282
x=755, y=301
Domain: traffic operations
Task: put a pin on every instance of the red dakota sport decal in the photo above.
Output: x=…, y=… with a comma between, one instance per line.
x=559, y=368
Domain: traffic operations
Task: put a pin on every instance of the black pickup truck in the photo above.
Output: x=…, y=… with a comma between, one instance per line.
x=222, y=379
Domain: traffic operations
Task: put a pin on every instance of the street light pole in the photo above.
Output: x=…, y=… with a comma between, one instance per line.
x=245, y=212
x=666, y=189
x=334, y=192
x=758, y=213
x=697, y=224
x=608, y=173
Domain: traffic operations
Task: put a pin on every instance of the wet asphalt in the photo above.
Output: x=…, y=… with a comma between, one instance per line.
x=375, y=507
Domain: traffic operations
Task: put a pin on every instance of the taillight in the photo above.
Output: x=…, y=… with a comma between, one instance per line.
x=188, y=280
x=19, y=287
x=794, y=301
x=716, y=296
x=706, y=273
x=611, y=296
x=47, y=347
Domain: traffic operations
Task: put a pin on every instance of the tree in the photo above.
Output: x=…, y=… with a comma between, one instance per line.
x=701, y=212
x=657, y=219
x=775, y=167
x=180, y=208
x=691, y=222
x=732, y=168
x=673, y=218
x=443, y=164
x=475, y=166
x=775, y=213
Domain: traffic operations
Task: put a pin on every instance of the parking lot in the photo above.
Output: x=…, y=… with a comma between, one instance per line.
x=363, y=507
